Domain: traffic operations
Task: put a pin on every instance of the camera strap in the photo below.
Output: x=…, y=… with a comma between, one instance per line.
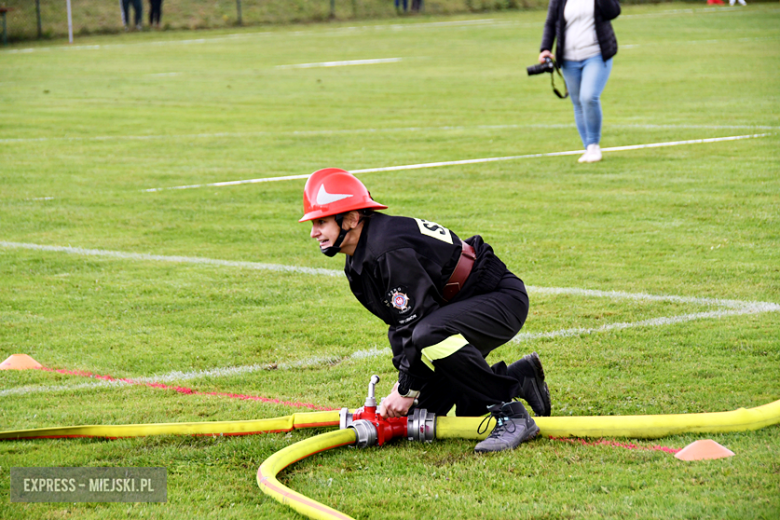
x=552, y=82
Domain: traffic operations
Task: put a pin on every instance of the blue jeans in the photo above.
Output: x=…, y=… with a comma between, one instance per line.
x=586, y=80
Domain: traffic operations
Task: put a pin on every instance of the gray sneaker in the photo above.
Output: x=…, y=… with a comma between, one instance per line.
x=529, y=372
x=513, y=426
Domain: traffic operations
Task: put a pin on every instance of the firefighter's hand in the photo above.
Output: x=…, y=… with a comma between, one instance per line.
x=394, y=405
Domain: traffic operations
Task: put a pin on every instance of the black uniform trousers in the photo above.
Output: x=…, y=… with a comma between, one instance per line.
x=464, y=378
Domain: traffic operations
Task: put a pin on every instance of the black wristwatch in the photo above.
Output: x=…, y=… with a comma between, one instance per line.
x=407, y=392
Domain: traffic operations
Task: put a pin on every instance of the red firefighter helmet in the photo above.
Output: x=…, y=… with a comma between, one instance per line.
x=332, y=191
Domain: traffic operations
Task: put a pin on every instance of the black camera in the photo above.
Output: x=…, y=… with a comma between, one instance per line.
x=547, y=66
x=550, y=66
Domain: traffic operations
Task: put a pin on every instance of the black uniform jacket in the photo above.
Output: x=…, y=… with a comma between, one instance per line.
x=398, y=271
x=555, y=27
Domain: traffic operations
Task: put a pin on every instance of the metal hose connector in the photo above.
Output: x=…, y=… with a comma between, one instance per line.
x=421, y=426
x=366, y=433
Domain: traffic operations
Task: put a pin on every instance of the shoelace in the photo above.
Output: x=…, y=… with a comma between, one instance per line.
x=501, y=424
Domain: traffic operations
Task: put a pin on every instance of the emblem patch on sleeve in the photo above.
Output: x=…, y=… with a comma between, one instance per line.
x=398, y=299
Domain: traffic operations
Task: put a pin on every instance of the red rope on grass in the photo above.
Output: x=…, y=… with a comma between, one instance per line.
x=614, y=444
x=185, y=390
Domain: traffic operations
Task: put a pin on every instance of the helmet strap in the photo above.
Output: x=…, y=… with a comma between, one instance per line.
x=336, y=247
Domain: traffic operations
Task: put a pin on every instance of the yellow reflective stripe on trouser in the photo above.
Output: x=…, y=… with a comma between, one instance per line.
x=443, y=349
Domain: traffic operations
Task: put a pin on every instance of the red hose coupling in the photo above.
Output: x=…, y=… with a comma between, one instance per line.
x=373, y=429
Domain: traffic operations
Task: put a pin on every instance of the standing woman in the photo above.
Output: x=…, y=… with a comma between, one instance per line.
x=585, y=47
x=155, y=13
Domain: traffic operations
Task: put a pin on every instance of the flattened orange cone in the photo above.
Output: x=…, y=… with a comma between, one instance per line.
x=19, y=362
x=703, y=450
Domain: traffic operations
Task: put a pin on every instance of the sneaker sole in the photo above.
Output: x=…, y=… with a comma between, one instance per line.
x=544, y=391
x=533, y=432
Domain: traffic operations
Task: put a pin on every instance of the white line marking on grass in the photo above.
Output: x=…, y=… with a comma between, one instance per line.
x=307, y=133
x=176, y=375
x=733, y=308
x=574, y=291
x=739, y=305
x=704, y=127
x=35, y=389
x=653, y=322
x=671, y=12
x=339, y=63
x=698, y=42
x=465, y=161
x=621, y=295
x=174, y=259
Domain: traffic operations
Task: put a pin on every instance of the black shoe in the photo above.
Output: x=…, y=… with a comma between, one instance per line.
x=529, y=372
x=513, y=426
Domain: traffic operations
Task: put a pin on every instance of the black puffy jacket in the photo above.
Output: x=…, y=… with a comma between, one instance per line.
x=555, y=28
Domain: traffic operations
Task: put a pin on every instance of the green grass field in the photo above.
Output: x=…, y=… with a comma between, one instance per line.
x=86, y=129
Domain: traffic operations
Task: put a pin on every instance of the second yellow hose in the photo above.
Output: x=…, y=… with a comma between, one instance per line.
x=266, y=474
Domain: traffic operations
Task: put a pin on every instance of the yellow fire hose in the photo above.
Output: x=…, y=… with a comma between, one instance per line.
x=652, y=426
x=266, y=474
x=633, y=426
x=278, y=424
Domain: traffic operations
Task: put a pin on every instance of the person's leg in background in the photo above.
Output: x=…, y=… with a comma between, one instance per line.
x=155, y=12
x=572, y=74
x=125, y=12
x=139, y=13
x=595, y=73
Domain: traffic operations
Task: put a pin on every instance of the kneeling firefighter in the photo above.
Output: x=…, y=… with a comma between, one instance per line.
x=448, y=303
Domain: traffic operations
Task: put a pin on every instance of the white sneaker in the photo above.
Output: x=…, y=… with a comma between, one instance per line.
x=584, y=157
x=592, y=155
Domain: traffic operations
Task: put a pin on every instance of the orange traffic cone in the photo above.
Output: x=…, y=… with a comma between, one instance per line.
x=702, y=450
x=19, y=362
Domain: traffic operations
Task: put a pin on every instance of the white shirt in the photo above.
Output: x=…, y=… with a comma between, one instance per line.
x=581, y=42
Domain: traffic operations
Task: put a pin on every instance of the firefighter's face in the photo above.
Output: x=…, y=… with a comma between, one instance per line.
x=325, y=230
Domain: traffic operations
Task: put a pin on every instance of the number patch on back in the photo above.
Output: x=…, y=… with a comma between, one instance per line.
x=434, y=230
